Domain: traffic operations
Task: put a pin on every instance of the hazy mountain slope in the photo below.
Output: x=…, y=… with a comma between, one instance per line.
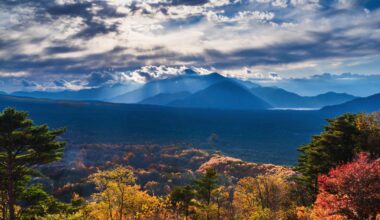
x=101, y=93
x=281, y=98
x=165, y=98
x=246, y=83
x=184, y=83
x=223, y=95
x=367, y=104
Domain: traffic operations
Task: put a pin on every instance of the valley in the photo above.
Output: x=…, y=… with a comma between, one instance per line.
x=254, y=135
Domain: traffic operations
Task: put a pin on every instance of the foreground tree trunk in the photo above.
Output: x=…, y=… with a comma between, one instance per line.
x=11, y=190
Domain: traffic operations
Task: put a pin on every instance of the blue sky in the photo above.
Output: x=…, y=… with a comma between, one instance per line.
x=69, y=44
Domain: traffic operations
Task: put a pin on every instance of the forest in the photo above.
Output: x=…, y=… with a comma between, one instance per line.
x=337, y=176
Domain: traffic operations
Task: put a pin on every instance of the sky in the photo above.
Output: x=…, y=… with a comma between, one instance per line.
x=69, y=44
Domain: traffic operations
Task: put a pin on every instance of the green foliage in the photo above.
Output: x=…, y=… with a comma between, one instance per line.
x=205, y=185
x=338, y=144
x=182, y=198
x=23, y=145
x=36, y=202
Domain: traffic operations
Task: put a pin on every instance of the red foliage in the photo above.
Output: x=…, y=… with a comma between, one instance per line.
x=351, y=190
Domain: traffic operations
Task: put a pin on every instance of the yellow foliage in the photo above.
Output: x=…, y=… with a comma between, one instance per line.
x=118, y=197
x=263, y=197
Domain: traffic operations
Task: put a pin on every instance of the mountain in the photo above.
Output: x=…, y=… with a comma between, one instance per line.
x=280, y=98
x=367, y=104
x=165, y=98
x=223, y=95
x=183, y=83
x=2, y=93
x=101, y=93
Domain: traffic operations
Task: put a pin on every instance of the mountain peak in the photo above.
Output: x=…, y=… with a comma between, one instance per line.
x=215, y=74
x=190, y=71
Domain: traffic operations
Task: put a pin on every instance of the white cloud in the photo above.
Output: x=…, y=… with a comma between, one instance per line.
x=17, y=74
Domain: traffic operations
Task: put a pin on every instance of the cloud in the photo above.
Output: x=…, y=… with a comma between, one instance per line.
x=13, y=74
x=69, y=39
x=148, y=73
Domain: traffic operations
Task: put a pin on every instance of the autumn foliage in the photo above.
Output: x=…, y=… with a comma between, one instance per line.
x=350, y=191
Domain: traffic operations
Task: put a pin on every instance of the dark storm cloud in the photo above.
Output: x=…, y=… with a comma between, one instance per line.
x=99, y=78
x=324, y=45
x=27, y=83
x=47, y=11
x=189, y=2
x=61, y=49
x=83, y=10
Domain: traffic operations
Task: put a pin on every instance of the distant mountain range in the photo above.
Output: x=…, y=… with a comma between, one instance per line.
x=198, y=91
x=367, y=104
x=281, y=98
x=99, y=94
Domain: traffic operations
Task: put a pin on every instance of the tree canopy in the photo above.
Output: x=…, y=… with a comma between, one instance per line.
x=23, y=145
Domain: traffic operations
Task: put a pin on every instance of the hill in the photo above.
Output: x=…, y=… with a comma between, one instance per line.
x=222, y=95
x=260, y=136
x=329, y=98
x=183, y=83
x=367, y=104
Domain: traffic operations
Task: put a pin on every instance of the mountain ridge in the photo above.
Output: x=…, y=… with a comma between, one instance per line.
x=222, y=95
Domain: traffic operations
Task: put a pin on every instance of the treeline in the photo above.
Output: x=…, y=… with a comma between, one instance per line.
x=337, y=177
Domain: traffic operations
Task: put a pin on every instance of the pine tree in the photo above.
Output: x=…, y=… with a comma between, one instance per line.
x=23, y=146
x=206, y=184
x=181, y=198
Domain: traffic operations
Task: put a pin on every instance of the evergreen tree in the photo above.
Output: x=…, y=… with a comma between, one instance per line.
x=206, y=184
x=23, y=146
x=181, y=198
x=338, y=144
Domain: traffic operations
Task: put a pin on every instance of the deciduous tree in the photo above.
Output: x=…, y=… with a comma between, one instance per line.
x=119, y=198
x=263, y=197
x=350, y=191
